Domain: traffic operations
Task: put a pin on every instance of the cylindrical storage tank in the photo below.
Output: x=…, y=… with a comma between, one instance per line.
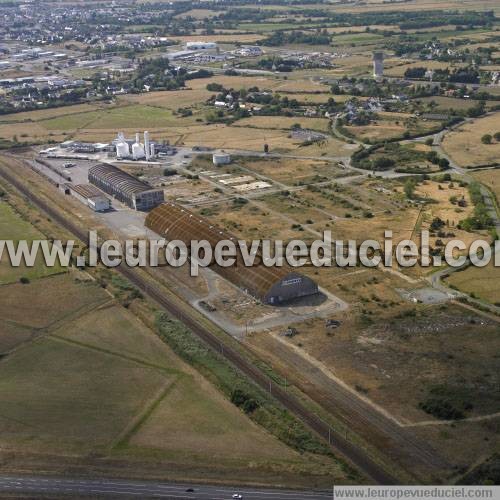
x=221, y=159
x=137, y=151
x=122, y=150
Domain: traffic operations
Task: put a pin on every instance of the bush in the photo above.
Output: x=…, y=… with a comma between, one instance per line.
x=486, y=139
x=442, y=409
x=24, y=280
x=443, y=163
x=383, y=163
x=167, y=172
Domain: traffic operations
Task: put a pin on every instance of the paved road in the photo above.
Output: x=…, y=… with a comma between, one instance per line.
x=39, y=485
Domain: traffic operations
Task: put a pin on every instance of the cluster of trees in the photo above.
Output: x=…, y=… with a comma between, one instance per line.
x=488, y=138
x=280, y=38
x=434, y=158
x=429, y=19
x=480, y=218
x=389, y=155
x=458, y=75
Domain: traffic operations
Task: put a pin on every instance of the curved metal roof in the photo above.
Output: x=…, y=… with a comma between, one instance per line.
x=122, y=181
x=174, y=222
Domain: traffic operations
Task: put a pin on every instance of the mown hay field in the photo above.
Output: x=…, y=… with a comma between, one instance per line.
x=464, y=144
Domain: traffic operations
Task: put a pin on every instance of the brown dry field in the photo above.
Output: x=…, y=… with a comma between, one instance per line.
x=301, y=85
x=13, y=335
x=72, y=380
x=401, y=223
x=387, y=128
x=446, y=103
x=296, y=207
x=443, y=208
x=50, y=300
x=29, y=131
x=291, y=170
x=393, y=368
x=330, y=147
x=491, y=179
x=319, y=98
x=482, y=282
x=284, y=122
x=193, y=418
x=199, y=13
x=43, y=114
x=251, y=221
x=173, y=100
x=324, y=206
x=355, y=64
x=237, y=82
x=464, y=144
x=232, y=137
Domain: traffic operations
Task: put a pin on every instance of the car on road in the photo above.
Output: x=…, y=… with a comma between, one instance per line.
x=237, y=496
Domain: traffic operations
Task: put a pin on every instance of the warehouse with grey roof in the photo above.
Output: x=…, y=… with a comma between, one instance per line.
x=125, y=187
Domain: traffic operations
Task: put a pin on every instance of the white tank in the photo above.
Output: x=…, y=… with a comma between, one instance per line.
x=137, y=151
x=152, y=150
x=122, y=150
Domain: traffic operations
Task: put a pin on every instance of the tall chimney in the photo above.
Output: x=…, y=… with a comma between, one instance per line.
x=147, y=148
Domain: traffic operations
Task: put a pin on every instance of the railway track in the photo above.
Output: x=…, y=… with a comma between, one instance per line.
x=337, y=442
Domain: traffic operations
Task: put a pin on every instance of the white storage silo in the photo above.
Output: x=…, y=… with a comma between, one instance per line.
x=122, y=150
x=137, y=149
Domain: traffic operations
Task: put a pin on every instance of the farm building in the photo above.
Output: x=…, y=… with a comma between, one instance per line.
x=272, y=285
x=124, y=187
x=90, y=195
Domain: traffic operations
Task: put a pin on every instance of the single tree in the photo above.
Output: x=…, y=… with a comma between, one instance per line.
x=486, y=139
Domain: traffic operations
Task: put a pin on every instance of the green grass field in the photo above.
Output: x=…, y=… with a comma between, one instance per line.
x=13, y=227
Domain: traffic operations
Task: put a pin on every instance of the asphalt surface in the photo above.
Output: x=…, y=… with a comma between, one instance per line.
x=143, y=489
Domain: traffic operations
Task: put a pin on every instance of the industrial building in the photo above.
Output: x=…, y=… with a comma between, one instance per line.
x=90, y=196
x=125, y=187
x=200, y=45
x=271, y=285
